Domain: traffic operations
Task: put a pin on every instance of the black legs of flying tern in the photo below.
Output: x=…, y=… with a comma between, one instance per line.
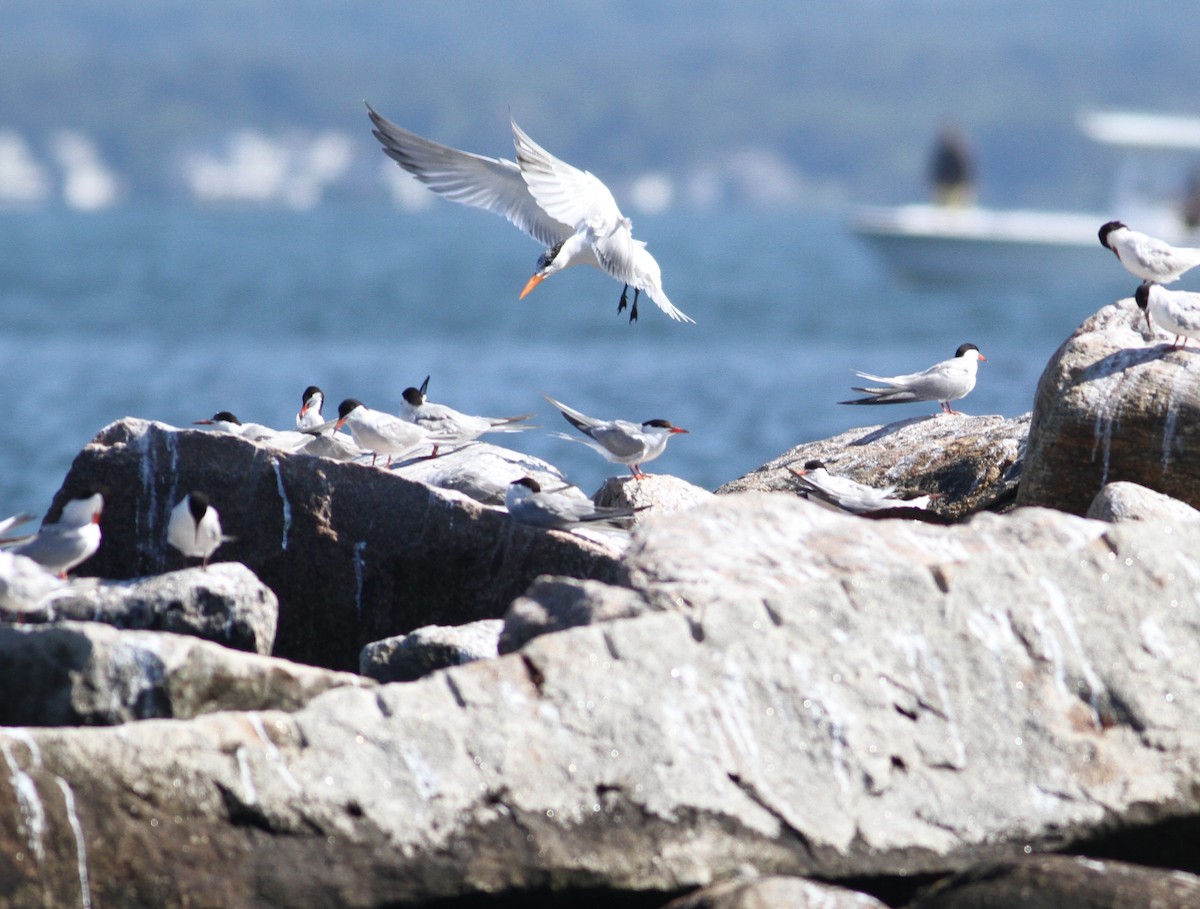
x=625, y=302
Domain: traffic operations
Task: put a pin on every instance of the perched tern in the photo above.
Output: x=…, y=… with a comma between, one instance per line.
x=384, y=433
x=567, y=209
x=311, y=403
x=443, y=420
x=845, y=494
x=71, y=540
x=1147, y=257
x=194, y=528
x=527, y=503
x=620, y=441
x=287, y=440
x=943, y=382
x=1177, y=311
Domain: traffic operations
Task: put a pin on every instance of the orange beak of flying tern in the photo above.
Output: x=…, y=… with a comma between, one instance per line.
x=675, y=429
x=533, y=282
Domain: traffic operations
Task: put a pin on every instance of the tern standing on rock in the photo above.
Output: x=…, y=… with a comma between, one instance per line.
x=567, y=209
x=70, y=541
x=443, y=420
x=620, y=441
x=943, y=382
x=194, y=528
x=383, y=433
x=1146, y=257
x=1177, y=311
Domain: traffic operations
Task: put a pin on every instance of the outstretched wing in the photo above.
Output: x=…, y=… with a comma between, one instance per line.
x=493, y=184
x=570, y=195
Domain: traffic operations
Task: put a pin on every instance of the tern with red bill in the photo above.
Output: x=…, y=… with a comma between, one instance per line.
x=619, y=441
x=568, y=210
x=71, y=540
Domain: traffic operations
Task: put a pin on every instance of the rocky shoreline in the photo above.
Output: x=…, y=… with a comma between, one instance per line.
x=386, y=692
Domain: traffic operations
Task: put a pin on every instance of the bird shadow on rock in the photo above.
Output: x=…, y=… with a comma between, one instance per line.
x=884, y=431
x=1121, y=360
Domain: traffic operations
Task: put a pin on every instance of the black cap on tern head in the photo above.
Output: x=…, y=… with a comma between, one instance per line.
x=963, y=348
x=663, y=424
x=1107, y=228
x=309, y=392
x=814, y=464
x=413, y=396
x=225, y=416
x=1142, y=295
x=348, y=405
x=529, y=483
x=197, y=505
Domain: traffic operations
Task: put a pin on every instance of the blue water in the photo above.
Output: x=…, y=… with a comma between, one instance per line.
x=173, y=315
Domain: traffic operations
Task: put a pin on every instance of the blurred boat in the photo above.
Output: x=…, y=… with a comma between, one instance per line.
x=971, y=244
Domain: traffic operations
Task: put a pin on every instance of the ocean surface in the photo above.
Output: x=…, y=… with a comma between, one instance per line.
x=175, y=314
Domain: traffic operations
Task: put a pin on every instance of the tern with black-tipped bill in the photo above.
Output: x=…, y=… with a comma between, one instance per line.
x=568, y=210
x=1147, y=257
x=943, y=382
x=1176, y=311
x=619, y=441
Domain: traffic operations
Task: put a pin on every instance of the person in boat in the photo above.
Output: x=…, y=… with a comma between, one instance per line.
x=952, y=171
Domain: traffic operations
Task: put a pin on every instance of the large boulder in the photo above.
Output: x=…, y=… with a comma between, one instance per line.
x=85, y=674
x=973, y=463
x=816, y=696
x=1115, y=402
x=225, y=603
x=354, y=553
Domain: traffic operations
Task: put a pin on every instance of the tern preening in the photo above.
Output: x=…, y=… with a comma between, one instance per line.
x=568, y=210
x=1177, y=311
x=1146, y=257
x=943, y=382
x=311, y=403
x=71, y=540
x=443, y=420
x=620, y=441
x=527, y=503
x=194, y=528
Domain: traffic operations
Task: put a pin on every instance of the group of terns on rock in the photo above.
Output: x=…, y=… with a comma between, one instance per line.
x=193, y=528
x=575, y=216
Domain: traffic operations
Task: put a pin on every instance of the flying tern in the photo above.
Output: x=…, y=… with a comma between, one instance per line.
x=1177, y=311
x=619, y=441
x=845, y=494
x=194, y=528
x=568, y=210
x=527, y=503
x=71, y=540
x=443, y=420
x=943, y=382
x=1146, y=257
